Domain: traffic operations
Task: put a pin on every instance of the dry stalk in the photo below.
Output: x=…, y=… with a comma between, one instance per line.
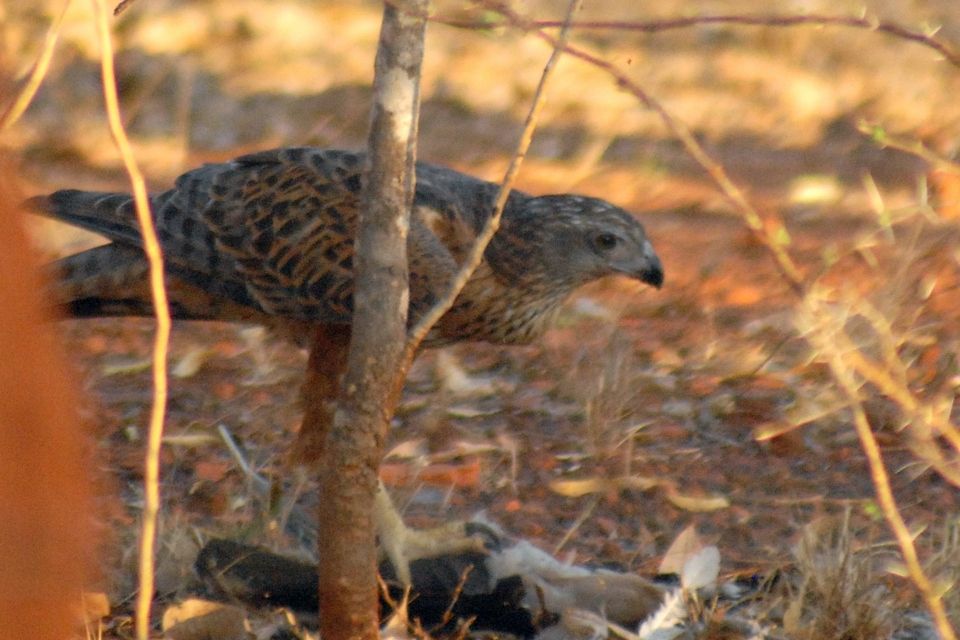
x=825, y=331
x=474, y=257
x=25, y=95
x=838, y=595
x=887, y=374
x=151, y=247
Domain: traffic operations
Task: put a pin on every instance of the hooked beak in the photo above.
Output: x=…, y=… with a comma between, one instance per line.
x=646, y=268
x=653, y=274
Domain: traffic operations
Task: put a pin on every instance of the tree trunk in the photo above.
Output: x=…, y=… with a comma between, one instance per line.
x=45, y=530
x=376, y=364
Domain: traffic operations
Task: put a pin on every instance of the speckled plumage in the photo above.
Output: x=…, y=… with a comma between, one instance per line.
x=268, y=237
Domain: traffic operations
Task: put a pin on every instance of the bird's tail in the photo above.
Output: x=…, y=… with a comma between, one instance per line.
x=110, y=214
x=109, y=280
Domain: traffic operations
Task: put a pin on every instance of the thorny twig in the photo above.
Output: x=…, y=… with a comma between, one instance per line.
x=843, y=374
x=913, y=147
x=455, y=597
x=888, y=375
x=870, y=23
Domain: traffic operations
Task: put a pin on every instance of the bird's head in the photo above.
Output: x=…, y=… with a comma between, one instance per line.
x=575, y=240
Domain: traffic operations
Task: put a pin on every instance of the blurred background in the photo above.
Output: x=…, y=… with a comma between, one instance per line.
x=709, y=386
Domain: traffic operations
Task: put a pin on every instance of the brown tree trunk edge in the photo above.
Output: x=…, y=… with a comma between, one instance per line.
x=376, y=363
x=44, y=501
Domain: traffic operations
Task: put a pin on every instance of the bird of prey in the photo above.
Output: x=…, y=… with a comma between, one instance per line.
x=269, y=238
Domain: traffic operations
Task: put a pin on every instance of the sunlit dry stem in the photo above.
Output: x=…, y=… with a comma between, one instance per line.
x=827, y=335
x=912, y=407
x=474, y=257
x=890, y=378
x=888, y=504
x=25, y=95
x=151, y=481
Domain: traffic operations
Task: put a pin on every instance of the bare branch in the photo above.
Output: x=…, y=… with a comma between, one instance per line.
x=376, y=367
x=655, y=26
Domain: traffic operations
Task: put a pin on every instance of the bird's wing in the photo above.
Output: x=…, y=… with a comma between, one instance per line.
x=273, y=231
x=292, y=237
x=286, y=220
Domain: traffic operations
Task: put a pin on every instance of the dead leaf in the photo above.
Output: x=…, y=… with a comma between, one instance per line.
x=667, y=357
x=126, y=367
x=190, y=440
x=408, y=449
x=463, y=448
x=638, y=483
x=587, y=486
x=191, y=362
x=197, y=619
x=684, y=546
x=773, y=429
x=579, y=488
x=696, y=503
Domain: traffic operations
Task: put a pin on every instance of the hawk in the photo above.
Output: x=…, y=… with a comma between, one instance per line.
x=269, y=238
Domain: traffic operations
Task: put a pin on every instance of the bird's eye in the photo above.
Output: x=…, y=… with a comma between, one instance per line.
x=606, y=241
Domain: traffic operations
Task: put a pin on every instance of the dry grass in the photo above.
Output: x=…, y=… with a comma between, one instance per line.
x=871, y=338
x=840, y=595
